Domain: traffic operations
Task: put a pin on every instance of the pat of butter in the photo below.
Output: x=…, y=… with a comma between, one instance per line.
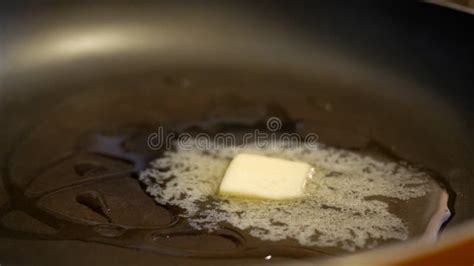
x=257, y=176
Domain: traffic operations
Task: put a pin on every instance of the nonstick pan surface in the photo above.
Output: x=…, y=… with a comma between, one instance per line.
x=379, y=77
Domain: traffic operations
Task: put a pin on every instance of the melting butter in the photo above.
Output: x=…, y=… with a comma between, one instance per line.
x=335, y=211
x=262, y=177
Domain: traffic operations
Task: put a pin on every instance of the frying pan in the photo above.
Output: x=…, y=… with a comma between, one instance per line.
x=400, y=76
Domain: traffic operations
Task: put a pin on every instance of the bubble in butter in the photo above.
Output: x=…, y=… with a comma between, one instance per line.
x=334, y=212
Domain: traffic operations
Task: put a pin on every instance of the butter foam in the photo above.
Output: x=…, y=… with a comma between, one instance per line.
x=337, y=211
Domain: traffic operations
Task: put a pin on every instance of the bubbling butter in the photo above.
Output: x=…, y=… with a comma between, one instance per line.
x=336, y=210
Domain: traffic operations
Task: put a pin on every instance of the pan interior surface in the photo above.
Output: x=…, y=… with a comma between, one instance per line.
x=82, y=89
x=73, y=175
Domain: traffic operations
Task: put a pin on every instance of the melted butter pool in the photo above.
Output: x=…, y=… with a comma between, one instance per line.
x=348, y=203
